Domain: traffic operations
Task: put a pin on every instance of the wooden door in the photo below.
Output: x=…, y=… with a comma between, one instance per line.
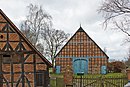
x=80, y=65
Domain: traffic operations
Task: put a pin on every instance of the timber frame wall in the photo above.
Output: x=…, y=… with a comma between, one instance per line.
x=81, y=45
x=20, y=61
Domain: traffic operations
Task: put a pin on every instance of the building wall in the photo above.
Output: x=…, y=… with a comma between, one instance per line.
x=16, y=69
x=63, y=62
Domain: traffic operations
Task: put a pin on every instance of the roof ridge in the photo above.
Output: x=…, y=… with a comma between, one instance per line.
x=80, y=29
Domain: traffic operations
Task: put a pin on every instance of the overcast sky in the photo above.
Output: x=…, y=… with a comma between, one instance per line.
x=68, y=15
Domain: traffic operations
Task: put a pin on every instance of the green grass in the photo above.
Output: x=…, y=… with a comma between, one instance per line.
x=107, y=75
x=56, y=80
x=52, y=83
x=91, y=75
x=115, y=74
x=54, y=75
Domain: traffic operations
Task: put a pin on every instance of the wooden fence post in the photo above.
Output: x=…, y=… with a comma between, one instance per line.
x=68, y=77
x=128, y=75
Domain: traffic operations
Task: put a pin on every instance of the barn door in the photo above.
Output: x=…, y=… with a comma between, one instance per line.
x=80, y=65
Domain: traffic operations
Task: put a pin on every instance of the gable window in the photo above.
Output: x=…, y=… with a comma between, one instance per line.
x=6, y=58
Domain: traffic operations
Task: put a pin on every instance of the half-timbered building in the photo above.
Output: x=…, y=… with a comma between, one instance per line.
x=82, y=54
x=21, y=64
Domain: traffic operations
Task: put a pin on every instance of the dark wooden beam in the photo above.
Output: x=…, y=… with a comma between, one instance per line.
x=34, y=65
x=12, y=74
x=22, y=73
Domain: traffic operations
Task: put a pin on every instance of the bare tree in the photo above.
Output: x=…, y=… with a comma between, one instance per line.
x=54, y=40
x=36, y=20
x=38, y=29
x=116, y=13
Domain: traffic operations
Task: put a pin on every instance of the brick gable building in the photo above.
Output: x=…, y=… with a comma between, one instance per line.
x=82, y=54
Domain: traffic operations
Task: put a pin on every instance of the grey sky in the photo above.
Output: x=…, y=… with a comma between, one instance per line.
x=67, y=15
